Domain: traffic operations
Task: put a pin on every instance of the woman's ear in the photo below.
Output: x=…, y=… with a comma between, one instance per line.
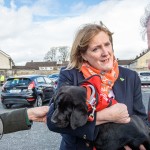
x=84, y=58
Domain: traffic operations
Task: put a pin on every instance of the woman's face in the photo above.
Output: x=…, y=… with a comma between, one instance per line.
x=99, y=53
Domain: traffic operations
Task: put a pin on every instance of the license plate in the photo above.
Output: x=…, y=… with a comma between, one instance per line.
x=15, y=91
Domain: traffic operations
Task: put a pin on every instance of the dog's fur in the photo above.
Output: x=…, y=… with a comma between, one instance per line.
x=71, y=110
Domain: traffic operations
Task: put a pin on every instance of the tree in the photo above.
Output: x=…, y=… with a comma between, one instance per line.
x=145, y=22
x=51, y=54
x=60, y=53
x=64, y=53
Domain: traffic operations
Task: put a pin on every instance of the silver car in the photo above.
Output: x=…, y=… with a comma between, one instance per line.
x=144, y=76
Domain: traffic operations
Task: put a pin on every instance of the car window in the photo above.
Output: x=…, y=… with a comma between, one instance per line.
x=48, y=81
x=53, y=75
x=17, y=81
x=40, y=80
x=145, y=73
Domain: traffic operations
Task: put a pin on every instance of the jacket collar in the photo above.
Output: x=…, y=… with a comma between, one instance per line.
x=119, y=88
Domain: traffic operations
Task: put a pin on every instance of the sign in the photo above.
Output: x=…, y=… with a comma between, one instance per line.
x=45, y=68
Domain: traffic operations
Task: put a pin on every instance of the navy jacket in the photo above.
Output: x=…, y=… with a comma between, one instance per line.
x=127, y=90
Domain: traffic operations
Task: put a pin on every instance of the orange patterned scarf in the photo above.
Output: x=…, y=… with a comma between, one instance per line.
x=107, y=78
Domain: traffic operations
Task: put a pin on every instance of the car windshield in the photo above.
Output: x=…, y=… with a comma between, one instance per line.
x=17, y=82
x=145, y=73
x=53, y=75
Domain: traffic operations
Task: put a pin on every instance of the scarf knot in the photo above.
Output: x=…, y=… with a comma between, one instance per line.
x=107, y=78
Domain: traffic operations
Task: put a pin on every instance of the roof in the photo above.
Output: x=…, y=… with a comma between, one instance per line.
x=20, y=67
x=124, y=62
x=36, y=65
x=4, y=54
x=26, y=76
x=142, y=53
x=8, y=56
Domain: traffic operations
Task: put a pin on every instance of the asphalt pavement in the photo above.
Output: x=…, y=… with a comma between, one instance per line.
x=39, y=137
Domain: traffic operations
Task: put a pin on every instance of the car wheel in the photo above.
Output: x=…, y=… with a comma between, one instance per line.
x=38, y=101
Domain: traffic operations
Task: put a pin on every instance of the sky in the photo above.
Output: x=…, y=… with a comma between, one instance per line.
x=29, y=28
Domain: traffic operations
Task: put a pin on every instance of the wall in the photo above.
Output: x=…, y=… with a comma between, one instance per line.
x=4, y=62
x=142, y=62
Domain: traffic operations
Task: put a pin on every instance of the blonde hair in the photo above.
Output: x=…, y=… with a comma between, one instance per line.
x=81, y=43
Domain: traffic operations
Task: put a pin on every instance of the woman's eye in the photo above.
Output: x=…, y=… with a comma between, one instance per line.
x=95, y=49
x=107, y=44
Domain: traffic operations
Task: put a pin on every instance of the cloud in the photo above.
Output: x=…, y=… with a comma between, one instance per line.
x=1, y=2
x=25, y=39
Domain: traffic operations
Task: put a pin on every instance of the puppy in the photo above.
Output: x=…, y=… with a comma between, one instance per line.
x=71, y=110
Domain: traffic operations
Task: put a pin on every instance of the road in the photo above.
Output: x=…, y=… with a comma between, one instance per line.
x=39, y=137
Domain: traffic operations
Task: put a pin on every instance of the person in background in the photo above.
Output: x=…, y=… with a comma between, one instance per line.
x=21, y=119
x=2, y=79
x=92, y=53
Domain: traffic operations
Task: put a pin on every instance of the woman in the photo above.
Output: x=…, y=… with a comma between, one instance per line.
x=92, y=53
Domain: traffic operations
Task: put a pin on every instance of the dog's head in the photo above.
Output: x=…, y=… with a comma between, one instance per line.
x=70, y=107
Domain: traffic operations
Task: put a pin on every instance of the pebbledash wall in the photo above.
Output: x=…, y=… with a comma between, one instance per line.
x=5, y=61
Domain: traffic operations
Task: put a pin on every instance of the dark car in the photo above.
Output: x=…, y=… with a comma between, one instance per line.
x=54, y=77
x=27, y=90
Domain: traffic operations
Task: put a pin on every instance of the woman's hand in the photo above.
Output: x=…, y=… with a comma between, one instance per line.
x=117, y=113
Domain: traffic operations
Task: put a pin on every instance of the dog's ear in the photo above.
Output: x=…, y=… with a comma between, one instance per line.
x=78, y=117
x=54, y=116
x=57, y=96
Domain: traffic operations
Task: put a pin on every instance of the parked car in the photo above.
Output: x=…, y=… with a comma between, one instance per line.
x=144, y=76
x=54, y=77
x=27, y=90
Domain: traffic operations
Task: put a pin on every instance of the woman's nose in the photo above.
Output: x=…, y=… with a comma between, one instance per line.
x=104, y=52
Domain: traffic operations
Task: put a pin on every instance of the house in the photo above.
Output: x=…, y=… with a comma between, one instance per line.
x=39, y=67
x=6, y=64
x=5, y=61
x=124, y=63
x=140, y=63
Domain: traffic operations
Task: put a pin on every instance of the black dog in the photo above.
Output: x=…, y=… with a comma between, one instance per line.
x=71, y=110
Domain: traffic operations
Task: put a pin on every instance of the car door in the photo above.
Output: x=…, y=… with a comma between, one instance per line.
x=40, y=86
x=49, y=90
